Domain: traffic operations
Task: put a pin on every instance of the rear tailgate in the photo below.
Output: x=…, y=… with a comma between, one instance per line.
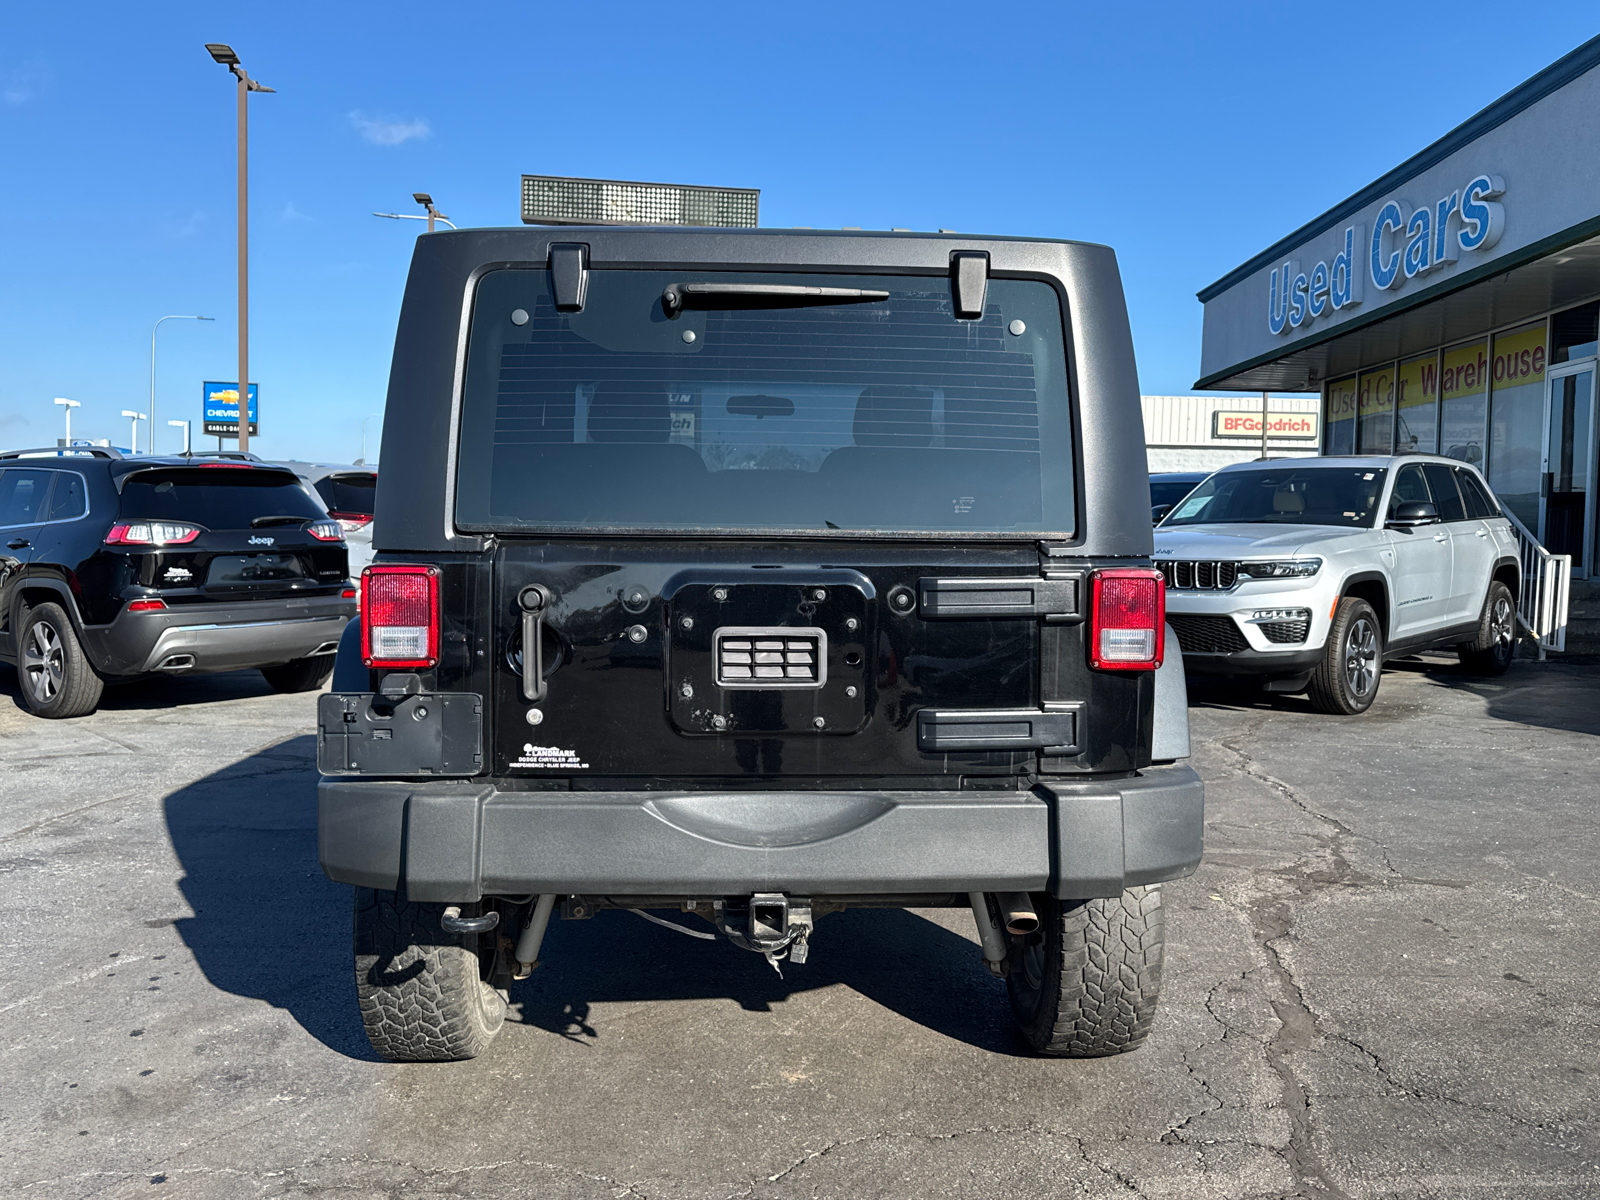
x=207, y=533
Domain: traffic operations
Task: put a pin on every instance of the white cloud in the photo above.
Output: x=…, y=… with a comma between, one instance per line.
x=192, y=225
x=21, y=84
x=9, y=419
x=291, y=213
x=388, y=131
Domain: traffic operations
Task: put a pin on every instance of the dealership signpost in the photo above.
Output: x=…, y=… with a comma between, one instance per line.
x=220, y=411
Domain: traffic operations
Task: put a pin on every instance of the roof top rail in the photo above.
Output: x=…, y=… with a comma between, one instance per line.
x=65, y=452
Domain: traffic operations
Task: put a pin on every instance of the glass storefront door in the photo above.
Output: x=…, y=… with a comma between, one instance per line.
x=1568, y=485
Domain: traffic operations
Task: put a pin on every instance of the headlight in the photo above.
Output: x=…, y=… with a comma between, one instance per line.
x=1289, y=568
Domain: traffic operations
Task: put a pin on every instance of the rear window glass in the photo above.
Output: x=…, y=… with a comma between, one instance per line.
x=1293, y=496
x=216, y=497
x=880, y=415
x=348, y=495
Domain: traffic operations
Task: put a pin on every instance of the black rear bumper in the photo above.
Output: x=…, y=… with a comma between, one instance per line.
x=460, y=841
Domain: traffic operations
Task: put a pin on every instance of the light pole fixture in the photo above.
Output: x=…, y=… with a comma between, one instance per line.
x=364, y=420
x=135, y=418
x=226, y=57
x=156, y=326
x=68, y=405
x=183, y=425
x=432, y=215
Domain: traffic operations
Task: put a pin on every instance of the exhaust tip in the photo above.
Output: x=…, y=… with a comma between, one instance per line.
x=1017, y=912
x=176, y=662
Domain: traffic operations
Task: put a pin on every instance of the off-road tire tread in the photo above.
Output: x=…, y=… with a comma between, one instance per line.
x=419, y=989
x=1327, y=691
x=1102, y=975
x=300, y=674
x=81, y=686
x=1477, y=656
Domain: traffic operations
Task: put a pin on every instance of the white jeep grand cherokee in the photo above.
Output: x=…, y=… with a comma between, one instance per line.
x=1310, y=573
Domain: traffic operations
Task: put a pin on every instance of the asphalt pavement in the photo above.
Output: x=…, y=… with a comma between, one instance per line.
x=1381, y=983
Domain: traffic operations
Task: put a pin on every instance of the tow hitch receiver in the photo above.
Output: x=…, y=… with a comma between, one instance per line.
x=774, y=923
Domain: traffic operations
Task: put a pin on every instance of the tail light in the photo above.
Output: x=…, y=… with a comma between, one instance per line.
x=326, y=531
x=146, y=605
x=1127, y=619
x=399, y=616
x=152, y=533
x=352, y=521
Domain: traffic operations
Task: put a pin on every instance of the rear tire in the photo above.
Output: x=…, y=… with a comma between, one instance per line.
x=1086, y=984
x=422, y=992
x=1490, y=653
x=1345, y=681
x=57, y=680
x=300, y=675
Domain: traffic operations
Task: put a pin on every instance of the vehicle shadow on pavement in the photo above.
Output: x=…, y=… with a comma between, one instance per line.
x=159, y=691
x=1559, y=693
x=267, y=924
x=899, y=959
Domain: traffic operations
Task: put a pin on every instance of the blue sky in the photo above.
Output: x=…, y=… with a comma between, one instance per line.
x=1188, y=136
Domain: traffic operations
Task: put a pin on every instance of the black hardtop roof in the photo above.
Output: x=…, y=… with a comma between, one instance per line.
x=570, y=233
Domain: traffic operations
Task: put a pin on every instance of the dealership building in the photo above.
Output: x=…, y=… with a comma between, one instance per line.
x=1451, y=306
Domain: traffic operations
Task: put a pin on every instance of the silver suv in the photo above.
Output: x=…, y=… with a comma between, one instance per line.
x=1309, y=574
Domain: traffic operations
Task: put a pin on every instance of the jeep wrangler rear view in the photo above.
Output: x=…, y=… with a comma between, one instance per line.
x=742, y=577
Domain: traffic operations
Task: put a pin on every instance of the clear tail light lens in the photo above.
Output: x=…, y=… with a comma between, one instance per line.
x=399, y=616
x=326, y=531
x=1127, y=619
x=151, y=533
x=352, y=521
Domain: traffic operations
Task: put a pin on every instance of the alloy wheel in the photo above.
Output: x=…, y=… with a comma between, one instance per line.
x=1361, y=657
x=1501, y=627
x=43, y=662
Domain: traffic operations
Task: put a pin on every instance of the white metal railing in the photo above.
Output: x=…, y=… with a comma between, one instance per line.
x=1546, y=589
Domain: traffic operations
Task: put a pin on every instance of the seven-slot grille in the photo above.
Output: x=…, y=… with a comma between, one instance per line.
x=771, y=658
x=1190, y=575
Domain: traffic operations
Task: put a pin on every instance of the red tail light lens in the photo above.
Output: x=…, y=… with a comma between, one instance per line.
x=146, y=605
x=400, y=616
x=151, y=533
x=1127, y=619
x=352, y=521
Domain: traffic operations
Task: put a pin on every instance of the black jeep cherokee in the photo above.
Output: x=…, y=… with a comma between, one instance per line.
x=756, y=575
x=115, y=568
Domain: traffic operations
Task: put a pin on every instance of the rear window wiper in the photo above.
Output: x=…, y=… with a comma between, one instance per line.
x=679, y=296
x=283, y=519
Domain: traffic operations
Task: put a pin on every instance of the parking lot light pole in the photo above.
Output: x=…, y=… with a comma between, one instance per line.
x=184, y=425
x=133, y=438
x=153, y=328
x=68, y=405
x=432, y=215
x=225, y=56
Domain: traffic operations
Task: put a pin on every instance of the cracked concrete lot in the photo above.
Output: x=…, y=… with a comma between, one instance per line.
x=1379, y=984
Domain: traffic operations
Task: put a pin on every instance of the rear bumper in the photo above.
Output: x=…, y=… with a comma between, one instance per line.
x=461, y=841
x=257, y=633
x=1295, y=661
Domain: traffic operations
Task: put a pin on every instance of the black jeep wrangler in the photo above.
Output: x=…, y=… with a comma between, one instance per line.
x=756, y=575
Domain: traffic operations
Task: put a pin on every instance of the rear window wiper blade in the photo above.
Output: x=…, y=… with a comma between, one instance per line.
x=679, y=296
x=282, y=519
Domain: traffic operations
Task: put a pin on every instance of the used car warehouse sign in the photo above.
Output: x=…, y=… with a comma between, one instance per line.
x=1406, y=243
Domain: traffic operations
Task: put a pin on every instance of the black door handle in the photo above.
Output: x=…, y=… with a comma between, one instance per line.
x=18, y=544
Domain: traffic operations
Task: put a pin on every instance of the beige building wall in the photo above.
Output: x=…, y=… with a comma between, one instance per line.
x=1179, y=431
